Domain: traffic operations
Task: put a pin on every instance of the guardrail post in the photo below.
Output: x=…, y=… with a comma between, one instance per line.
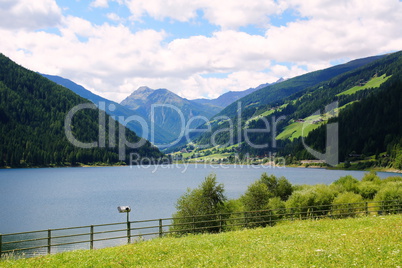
x=160, y=228
x=49, y=241
x=92, y=237
x=128, y=232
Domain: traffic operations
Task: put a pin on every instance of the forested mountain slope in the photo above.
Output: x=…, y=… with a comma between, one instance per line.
x=32, y=115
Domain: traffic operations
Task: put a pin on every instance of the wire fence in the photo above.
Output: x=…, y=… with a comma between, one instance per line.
x=29, y=244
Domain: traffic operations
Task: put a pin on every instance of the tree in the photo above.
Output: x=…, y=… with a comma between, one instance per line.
x=398, y=160
x=197, y=209
x=277, y=187
x=256, y=197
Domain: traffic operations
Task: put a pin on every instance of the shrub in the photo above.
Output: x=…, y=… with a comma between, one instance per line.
x=391, y=197
x=392, y=179
x=347, y=204
x=235, y=209
x=368, y=189
x=372, y=176
x=284, y=189
x=346, y=183
x=313, y=201
x=256, y=199
x=278, y=207
x=195, y=206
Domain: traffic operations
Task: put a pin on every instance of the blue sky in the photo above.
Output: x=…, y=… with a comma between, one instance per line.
x=200, y=48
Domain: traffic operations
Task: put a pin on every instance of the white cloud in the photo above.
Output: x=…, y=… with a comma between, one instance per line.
x=100, y=3
x=228, y=14
x=114, y=17
x=28, y=14
x=114, y=60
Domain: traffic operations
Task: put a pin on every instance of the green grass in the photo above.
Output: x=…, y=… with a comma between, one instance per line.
x=360, y=242
x=216, y=156
x=295, y=130
x=264, y=114
x=375, y=82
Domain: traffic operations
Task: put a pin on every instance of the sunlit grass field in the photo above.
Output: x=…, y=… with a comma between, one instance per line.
x=354, y=242
x=373, y=83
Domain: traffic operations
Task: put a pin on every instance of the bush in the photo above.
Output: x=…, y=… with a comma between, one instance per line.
x=277, y=187
x=256, y=199
x=278, y=207
x=372, y=177
x=392, y=179
x=195, y=207
x=347, y=204
x=235, y=209
x=313, y=201
x=346, y=183
x=284, y=189
x=368, y=189
x=391, y=197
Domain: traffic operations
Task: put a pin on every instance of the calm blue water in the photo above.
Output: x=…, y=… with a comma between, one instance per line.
x=37, y=199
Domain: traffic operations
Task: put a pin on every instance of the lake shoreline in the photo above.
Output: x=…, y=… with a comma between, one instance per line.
x=303, y=166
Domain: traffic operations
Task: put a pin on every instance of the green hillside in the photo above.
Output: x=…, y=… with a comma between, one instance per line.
x=360, y=242
x=274, y=93
x=368, y=100
x=374, y=82
x=274, y=96
x=32, y=131
x=370, y=125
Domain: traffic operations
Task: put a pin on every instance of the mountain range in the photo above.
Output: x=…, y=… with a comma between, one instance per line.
x=164, y=113
x=232, y=96
x=33, y=111
x=45, y=124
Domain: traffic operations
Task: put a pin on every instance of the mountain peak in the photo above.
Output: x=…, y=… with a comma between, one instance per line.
x=280, y=80
x=143, y=89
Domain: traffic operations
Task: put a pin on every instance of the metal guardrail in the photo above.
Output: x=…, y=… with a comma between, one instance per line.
x=28, y=244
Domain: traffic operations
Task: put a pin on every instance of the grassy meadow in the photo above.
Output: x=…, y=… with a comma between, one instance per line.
x=374, y=241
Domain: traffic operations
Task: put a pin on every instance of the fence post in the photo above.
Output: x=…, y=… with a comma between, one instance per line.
x=160, y=228
x=1, y=244
x=270, y=218
x=367, y=211
x=49, y=241
x=399, y=206
x=92, y=237
x=220, y=223
x=193, y=224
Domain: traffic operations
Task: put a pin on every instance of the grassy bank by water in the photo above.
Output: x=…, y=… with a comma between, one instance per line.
x=361, y=242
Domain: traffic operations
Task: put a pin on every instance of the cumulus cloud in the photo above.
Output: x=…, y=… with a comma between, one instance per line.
x=113, y=60
x=100, y=3
x=228, y=14
x=27, y=14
